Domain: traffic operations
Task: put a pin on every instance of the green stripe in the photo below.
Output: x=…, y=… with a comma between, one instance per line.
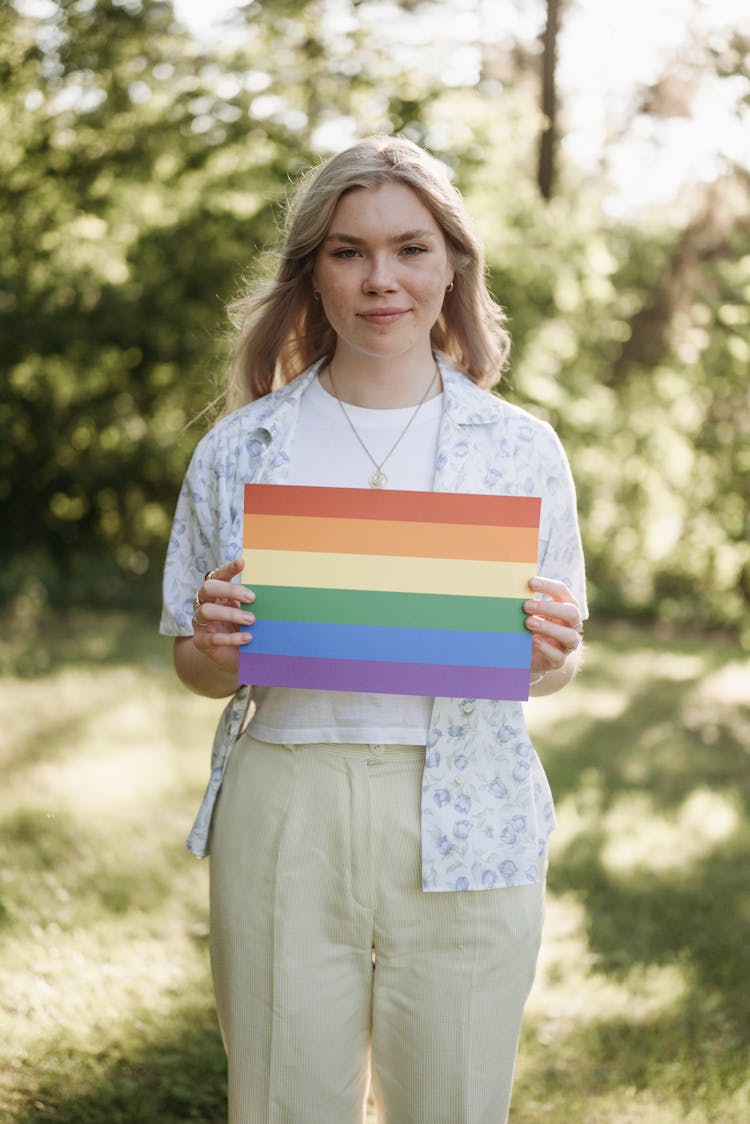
x=403, y=610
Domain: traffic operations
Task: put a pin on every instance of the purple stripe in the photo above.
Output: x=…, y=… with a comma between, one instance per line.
x=443, y=680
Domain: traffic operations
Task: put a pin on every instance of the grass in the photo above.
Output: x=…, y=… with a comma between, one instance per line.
x=641, y=1009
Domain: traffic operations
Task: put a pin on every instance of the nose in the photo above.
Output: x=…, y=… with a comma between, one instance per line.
x=379, y=277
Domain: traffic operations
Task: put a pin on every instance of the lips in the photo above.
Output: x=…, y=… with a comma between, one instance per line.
x=383, y=315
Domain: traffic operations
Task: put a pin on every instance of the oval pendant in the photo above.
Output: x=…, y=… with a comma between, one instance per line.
x=378, y=479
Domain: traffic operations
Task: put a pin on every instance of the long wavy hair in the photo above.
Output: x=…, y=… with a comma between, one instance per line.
x=281, y=328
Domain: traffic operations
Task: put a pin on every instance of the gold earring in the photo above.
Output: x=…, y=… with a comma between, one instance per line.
x=449, y=287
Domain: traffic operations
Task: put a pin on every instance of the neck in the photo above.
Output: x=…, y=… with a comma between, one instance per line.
x=381, y=384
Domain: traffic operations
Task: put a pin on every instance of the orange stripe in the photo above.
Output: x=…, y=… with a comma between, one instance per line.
x=368, y=536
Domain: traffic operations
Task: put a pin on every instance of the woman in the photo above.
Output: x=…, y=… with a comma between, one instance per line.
x=377, y=862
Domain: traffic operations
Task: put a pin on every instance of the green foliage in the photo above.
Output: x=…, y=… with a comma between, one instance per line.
x=635, y=344
x=132, y=218
x=658, y=440
x=142, y=174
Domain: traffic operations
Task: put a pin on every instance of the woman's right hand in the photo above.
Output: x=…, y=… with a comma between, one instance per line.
x=219, y=612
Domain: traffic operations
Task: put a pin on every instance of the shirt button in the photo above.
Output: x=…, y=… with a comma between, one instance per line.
x=467, y=706
x=459, y=778
x=379, y=750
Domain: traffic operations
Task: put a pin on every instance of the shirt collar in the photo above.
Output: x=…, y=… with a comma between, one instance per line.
x=278, y=409
x=463, y=401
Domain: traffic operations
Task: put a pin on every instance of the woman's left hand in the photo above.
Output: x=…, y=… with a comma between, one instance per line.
x=555, y=623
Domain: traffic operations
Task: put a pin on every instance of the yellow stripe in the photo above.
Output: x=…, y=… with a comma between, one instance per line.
x=384, y=572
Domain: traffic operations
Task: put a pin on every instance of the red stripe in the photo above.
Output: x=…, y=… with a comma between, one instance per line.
x=412, y=507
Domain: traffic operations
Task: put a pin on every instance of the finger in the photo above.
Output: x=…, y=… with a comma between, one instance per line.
x=563, y=612
x=568, y=638
x=208, y=641
x=214, y=590
x=546, y=655
x=228, y=570
x=218, y=584
x=223, y=649
x=217, y=612
x=544, y=626
x=552, y=588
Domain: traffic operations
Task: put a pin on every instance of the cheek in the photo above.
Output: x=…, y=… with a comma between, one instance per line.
x=332, y=299
x=433, y=292
x=334, y=290
x=433, y=284
x=335, y=306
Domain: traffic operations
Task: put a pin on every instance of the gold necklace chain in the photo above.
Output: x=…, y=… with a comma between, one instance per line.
x=378, y=478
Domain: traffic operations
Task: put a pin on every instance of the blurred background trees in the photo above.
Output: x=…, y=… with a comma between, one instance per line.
x=143, y=171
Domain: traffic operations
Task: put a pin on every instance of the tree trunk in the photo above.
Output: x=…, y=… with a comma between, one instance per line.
x=548, y=140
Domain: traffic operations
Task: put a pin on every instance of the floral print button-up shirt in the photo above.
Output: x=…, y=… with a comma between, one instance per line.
x=487, y=810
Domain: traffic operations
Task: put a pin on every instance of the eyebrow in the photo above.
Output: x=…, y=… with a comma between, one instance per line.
x=354, y=240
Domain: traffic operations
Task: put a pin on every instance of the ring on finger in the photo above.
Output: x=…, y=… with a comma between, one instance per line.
x=197, y=623
x=197, y=599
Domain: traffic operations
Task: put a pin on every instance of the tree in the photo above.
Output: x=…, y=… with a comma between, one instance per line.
x=144, y=174
x=548, y=140
x=104, y=304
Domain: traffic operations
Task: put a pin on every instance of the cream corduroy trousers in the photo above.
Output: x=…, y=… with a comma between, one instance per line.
x=328, y=957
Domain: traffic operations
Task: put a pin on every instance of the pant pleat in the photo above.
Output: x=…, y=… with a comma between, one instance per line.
x=326, y=953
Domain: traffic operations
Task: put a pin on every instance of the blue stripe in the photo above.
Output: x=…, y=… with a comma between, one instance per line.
x=398, y=645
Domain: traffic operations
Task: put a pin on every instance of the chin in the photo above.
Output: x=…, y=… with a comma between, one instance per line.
x=385, y=347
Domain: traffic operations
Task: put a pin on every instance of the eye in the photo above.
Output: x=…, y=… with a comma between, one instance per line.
x=346, y=252
x=413, y=251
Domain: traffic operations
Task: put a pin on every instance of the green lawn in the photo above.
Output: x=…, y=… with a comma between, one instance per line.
x=641, y=1009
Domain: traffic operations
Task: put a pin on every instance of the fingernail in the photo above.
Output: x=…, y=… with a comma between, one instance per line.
x=535, y=583
x=248, y=618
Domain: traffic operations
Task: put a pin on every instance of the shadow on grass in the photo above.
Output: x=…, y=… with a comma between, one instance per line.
x=649, y=748
x=697, y=915
x=99, y=881
x=669, y=1059
x=688, y=909
x=36, y=645
x=180, y=1076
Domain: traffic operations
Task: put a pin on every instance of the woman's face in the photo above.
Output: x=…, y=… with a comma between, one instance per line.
x=382, y=272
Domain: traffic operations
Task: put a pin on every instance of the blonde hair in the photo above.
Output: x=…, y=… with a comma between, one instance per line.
x=282, y=329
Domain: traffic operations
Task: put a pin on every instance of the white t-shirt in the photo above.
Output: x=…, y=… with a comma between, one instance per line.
x=327, y=453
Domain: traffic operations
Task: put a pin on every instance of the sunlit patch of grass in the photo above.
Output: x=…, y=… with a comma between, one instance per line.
x=104, y=923
x=571, y=992
x=662, y=842
x=645, y=1042
x=641, y=1008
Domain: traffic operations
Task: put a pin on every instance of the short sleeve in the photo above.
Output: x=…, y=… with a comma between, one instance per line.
x=193, y=543
x=560, y=549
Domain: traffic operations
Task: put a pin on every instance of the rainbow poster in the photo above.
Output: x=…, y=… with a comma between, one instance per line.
x=415, y=593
